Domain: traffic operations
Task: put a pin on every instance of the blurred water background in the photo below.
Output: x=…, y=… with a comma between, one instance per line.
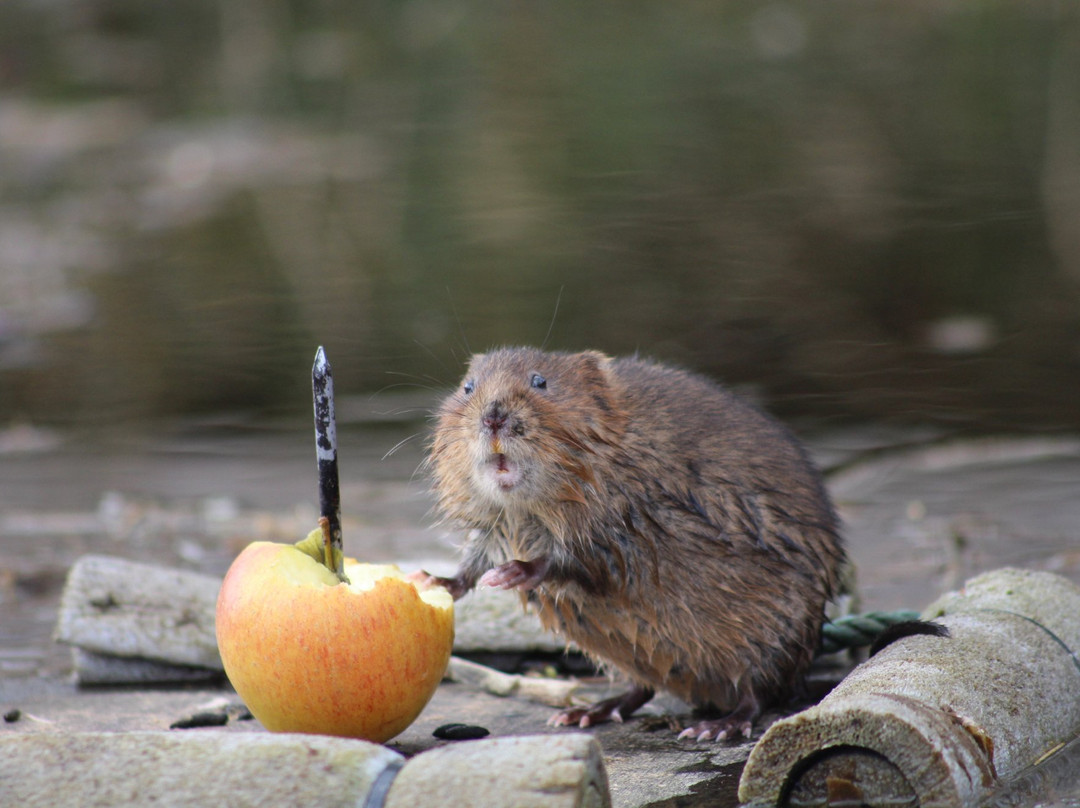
x=856, y=211
x=865, y=215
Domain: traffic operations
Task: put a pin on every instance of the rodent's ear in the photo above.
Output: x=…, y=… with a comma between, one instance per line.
x=602, y=410
x=595, y=358
x=474, y=361
x=596, y=362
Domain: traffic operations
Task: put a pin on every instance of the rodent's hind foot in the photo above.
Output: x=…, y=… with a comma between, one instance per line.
x=617, y=709
x=523, y=575
x=720, y=729
x=739, y=722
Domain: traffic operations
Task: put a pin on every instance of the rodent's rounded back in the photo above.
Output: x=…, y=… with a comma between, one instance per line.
x=684, y=535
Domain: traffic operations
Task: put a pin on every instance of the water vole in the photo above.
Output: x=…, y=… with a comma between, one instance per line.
x=672, y=531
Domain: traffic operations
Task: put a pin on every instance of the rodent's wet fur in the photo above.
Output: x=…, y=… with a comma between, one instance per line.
x=671, y=530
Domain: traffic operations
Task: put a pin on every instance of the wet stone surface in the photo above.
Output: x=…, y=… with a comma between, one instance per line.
x=922, y=513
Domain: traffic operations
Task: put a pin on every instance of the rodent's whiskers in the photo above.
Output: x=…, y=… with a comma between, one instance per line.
x=435, y=385
x=554, y=314
x=457, y=319
x=401, y=443
x=432, y=354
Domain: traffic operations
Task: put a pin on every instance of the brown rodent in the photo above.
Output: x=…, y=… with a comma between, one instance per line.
x=672, y=531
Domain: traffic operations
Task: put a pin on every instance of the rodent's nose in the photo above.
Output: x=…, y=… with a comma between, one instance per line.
x=494, y=417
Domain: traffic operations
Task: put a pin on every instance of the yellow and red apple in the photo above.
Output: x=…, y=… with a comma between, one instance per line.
x=309, y=653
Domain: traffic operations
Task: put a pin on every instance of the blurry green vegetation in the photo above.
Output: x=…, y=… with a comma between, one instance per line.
x=862, y=210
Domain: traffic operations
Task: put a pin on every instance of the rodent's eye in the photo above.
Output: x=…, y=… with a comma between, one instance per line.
x=538, y=381
x=470, y=385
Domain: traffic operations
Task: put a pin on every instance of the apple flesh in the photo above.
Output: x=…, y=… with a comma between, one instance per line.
x=308, y=653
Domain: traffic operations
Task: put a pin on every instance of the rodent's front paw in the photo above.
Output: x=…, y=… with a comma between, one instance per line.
x=523, y=575
x=456, y=586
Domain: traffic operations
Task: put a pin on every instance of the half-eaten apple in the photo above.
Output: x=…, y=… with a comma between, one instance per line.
x=309, y=652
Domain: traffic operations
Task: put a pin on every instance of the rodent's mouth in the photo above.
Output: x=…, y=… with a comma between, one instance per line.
x=505, y=472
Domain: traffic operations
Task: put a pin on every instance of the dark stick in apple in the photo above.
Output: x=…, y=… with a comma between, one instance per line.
x=322, y=385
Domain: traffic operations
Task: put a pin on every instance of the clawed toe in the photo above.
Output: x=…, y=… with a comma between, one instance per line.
x=615, y=709
x=739, y=722
x=721, y=729
x=583, y=717
x=574, y=716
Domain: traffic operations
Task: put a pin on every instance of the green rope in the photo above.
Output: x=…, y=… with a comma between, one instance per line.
x=856, y=630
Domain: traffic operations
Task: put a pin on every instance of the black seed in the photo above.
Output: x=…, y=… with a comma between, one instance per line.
x=11, y=716
x=201, y=720
x=460, y=732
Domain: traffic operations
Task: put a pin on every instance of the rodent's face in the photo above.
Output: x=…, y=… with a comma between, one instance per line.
x=518, y=430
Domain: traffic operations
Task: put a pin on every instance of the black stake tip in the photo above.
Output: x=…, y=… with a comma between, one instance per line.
x=322, y=364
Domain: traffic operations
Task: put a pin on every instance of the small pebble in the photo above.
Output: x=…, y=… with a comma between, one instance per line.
x=460, y=732
x=11, y=716
x=201, y=720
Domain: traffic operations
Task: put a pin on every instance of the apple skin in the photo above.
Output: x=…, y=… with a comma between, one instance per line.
x=307, y=653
